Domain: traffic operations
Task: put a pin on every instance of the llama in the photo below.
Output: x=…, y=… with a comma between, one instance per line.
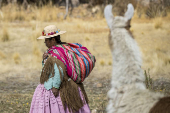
x=128, y=93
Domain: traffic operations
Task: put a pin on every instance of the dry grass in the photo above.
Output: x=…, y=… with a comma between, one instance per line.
x=158, y=23
x=2, y=55
x=110, y=63
x=5, y=35
x=47, y=13
x=36, y=50
x=93, y=34
x=37, y=54
x=102, y=63
x=148, y=80
x=17, y=58
x=17, y=13
x=154, y=46
x=15, y=103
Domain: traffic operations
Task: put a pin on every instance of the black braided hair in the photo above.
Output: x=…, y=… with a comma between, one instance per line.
x=57, y=39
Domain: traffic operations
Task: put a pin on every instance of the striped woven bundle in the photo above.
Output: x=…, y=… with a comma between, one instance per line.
x=78, y=60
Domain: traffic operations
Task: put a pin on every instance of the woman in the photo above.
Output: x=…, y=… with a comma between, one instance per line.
x=57, y=93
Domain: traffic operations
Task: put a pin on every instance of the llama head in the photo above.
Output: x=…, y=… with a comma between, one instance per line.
x=118, y=21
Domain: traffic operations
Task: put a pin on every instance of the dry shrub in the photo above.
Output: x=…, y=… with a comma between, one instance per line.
x=5, y=35
x=168, y=15
x=110, y=63
x=158, y=62
x=1, y=15
x=36, y=33
x=14, y=12
x=20, y=16
x=17, y=58
x=166, y=3
x=152, y=9
x=155, y=10
x=47, y=13
x=168, y=32
x=148, y=80
x=18, y=13
x=102, y=63
x=120, y=6
x=140, y=9
x=2, y=55
x=158, y=23
x=37, y=54
x=87, y=39
x=100, y=2
x=163, y=55
x=36, y=50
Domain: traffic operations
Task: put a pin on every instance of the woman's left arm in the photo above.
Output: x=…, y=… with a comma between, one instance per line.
x=56, y=78
x=54, y=82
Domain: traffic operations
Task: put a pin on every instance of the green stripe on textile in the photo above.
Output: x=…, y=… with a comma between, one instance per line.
x=89, y=55
x=78, y=67
x=62, y=45
x=93, y=59
x=69, y=63
x=75, y=65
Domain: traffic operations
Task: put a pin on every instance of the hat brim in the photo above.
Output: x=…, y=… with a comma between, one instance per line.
x=50, y=36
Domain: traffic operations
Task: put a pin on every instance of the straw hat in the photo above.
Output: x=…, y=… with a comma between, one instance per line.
x=50, y=31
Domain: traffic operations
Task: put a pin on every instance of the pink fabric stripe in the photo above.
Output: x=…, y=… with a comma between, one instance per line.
x=75, y=77
x=87, y=57
x=81, y=68
x=73, y=67
x=69, y=70
x=67, y=58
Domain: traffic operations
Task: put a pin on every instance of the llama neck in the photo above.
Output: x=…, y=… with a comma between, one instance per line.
x=127, y=72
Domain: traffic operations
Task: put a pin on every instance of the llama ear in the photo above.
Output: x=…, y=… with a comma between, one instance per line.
x=108, y=15
x=130, y=11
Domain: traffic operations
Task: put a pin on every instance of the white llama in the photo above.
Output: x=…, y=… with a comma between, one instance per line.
x=128, y=93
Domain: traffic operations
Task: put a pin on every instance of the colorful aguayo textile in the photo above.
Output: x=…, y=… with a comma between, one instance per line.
x=78, y=60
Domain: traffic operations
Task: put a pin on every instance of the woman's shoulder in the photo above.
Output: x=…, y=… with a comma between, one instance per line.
x=56, y=61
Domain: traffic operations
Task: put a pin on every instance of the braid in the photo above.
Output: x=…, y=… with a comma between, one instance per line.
x=57, y=39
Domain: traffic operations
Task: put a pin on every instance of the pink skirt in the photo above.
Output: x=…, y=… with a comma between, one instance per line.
x=44, y=101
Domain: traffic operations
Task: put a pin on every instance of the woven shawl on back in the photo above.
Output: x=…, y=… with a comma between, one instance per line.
x=77, y=59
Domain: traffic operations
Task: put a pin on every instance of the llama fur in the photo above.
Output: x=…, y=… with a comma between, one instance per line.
x=128, y=93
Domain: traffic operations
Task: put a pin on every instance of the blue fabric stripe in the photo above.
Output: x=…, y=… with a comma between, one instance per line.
x=55, y=51
x=84, y=59
x=77, y=52
x=78, y=44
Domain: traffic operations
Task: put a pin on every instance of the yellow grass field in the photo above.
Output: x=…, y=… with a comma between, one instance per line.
x=21, y=53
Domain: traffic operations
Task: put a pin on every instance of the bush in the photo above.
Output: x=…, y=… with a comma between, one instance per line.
x=158, y=23
x=120, y=6
x=5, y=35
x=2, y=55
x=16, y=57
x=156, y=10
x=148, y=80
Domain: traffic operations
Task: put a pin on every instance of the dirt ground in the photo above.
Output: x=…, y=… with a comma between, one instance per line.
x=16, y=96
